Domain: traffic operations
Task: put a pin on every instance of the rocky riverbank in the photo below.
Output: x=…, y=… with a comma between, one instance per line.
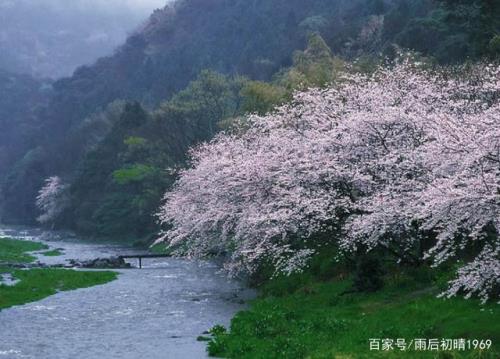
x=98, y=263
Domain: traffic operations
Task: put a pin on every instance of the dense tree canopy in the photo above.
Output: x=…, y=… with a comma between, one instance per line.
x=121, y=180
x=407, y=157
x=265, y=50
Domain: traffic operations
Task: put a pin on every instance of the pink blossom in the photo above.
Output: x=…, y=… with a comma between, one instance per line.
x=51, y=199
x=406, y=146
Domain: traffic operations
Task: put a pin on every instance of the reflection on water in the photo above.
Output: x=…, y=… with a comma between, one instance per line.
x=153, y=313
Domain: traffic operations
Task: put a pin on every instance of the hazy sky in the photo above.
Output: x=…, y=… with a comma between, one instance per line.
x=50, y=38
x=141, y=5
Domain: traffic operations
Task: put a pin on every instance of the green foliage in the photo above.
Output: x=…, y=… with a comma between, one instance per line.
x=218, y=330
x=106, y=192
x=134, y=173
x=314, y=67
x=120, y=183
x=94, y=128
x=452, y=31
x=14, y=251
x=135, y=142
x=202, y=338
x=160, y=248
x=209, y=99
x=24, y=179
x=21, y=97
x=368, y=273
x=323, y=320
x=261, y=97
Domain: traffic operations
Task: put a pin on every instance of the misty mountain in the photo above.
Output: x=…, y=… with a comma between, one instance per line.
x=256, y=39
x=50, y=38
x=20, y=98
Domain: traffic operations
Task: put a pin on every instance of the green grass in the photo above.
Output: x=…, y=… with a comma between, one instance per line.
x=160, y=248
x=14, y=251
x=298, y=317
x=36, y=284
x=53, y=253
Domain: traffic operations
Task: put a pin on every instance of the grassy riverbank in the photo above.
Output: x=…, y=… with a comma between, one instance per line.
x=38, y=283
x=16, y=251
x=302, y=317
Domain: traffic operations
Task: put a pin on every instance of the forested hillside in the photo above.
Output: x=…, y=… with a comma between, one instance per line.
x=112, y=129
x=21, y=100
x=20, y=97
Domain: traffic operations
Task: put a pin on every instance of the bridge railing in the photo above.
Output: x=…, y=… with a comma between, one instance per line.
x=141, y=256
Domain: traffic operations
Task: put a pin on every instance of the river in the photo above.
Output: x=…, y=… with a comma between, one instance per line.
x=154, y=313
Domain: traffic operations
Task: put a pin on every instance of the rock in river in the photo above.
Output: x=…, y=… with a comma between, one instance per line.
x=111, y=262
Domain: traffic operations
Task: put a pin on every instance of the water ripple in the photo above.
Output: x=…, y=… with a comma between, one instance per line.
x=153, y=313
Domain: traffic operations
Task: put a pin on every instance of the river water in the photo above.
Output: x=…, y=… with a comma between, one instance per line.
x=153, y=313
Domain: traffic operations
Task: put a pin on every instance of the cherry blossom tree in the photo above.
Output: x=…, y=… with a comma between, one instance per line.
x=435, y=166
x=411, y=153
x=52, y=200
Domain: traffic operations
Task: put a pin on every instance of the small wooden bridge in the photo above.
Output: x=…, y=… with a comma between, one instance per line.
x=141, y=256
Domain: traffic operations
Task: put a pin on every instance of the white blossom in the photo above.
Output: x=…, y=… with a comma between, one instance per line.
x=52, y=200
x=481, y=277
x=406, y=151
